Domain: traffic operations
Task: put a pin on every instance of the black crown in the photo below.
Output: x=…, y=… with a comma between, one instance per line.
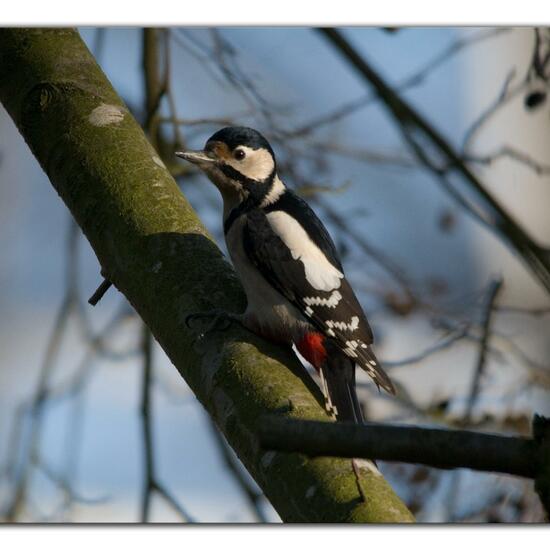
x=233, y=136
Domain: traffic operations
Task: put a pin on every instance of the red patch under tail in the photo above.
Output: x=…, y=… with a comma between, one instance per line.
x=312, y=348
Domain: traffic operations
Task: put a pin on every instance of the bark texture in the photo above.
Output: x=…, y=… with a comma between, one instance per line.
x=152, y=246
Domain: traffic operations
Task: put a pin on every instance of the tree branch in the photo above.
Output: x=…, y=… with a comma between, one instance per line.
x=156, y=252
x=440, y=158
x=448, y=449
x=438, y=448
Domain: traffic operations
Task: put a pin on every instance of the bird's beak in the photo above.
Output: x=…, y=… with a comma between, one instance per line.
x=197, y=157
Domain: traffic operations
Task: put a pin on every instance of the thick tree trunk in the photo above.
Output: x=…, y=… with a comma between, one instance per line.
x=153, y=247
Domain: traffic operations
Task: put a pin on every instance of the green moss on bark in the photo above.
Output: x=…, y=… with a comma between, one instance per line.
x=153, y=247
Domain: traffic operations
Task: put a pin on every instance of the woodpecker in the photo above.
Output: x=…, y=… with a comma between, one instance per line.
x=289, y=267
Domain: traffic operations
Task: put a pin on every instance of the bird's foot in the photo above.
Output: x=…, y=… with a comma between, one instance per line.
x=220, y=320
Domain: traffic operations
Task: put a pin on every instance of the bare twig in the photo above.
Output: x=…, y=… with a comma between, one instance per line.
x=536, y=71
x=149, y=467
x=366, y=155
x=150, y=483
x=156, y=87
x=444, y=344
x=506, y=94
x=172, y=501
x=417, y=78
x=221, y=121
x=486, y=323
x=368, y=248
x=40, y=396
x=509, y=152
x=494, y=287
x=178, y=140
x=253, y=496
x=26, y=442
x=518, y=310
x=421, y=137
x=455, y=47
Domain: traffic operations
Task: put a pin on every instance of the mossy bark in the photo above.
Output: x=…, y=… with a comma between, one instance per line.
x=153, y=247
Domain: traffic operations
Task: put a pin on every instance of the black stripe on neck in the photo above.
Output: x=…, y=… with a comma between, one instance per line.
x=256, y=189
x=249, y=184
x=245, y=206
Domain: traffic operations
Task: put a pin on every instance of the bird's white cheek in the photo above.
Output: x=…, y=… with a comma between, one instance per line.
x=257, y=165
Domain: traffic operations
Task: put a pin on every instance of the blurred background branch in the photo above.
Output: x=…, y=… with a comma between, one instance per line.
x=423, y=272
x=423, y=138
x=236, y=377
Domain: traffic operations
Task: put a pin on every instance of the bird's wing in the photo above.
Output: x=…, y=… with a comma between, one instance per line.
x=293, y=261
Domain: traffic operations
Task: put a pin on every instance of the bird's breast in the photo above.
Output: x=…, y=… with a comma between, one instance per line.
x=268, y=312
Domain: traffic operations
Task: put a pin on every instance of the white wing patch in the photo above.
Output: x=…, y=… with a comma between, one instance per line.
x=331, y=302
x=341, y=325
x=320, y=273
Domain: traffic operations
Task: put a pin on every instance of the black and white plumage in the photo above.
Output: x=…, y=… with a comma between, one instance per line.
x=293, y=278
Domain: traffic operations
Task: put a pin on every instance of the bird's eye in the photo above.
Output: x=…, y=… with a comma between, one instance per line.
x=239, y=154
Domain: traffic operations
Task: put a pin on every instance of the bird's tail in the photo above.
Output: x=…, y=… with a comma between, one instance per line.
x=339, y=373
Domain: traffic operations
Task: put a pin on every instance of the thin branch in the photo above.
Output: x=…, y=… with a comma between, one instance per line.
x=445, y=343
x=151, y=484
x=505, y=95
x=156, y=87
x=366, y=155
x=22, y=478
x=509, y=152
x=535, y=72
x=221, y=121
x=449, y=52
x=421, y=136
x=494, y=288
x=172, y=501
x=518, y=310
x=178, y=140
x=415, y=79
x=486, y=324
x=367, y=247
x=189, y=45
x=26, y=442
x=149, y=467
x=253, y=496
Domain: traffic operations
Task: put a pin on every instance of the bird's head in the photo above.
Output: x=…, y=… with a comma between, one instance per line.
x=238, y=160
